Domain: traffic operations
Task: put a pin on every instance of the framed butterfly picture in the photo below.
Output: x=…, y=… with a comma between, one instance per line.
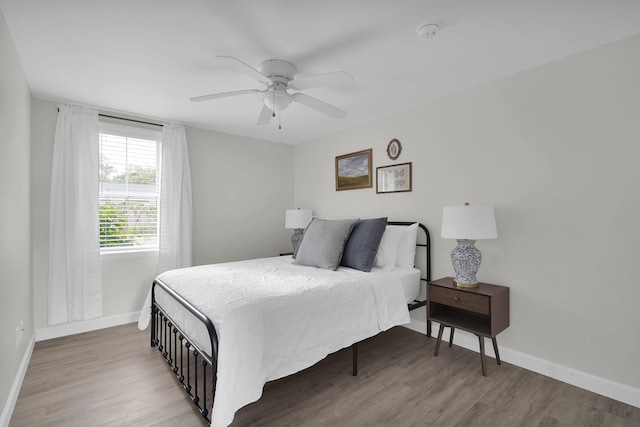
x=393, y=178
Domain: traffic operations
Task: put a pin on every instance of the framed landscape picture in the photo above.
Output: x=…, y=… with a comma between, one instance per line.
x=394, y=178
x=353, y=170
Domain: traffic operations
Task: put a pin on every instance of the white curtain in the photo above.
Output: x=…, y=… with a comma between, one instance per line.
x=75, y=291
x=175, y=200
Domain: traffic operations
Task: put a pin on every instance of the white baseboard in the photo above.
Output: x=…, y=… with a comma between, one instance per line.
x=10, y=404
x=620, y=392
x=85, y=326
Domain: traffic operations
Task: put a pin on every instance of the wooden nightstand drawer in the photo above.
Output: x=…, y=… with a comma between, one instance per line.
x=460, y=299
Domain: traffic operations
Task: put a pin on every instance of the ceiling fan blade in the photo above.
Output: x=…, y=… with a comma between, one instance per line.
x=245, y=68
x=265, y=116
x=339, y=78
x=224, y=95
x=318, y=105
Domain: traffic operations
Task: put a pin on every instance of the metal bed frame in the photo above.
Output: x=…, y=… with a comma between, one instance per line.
x=184, y=357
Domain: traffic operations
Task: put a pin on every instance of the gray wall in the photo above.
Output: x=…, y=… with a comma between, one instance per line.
x=15, y=234
x=555, y=149
x=241, y=189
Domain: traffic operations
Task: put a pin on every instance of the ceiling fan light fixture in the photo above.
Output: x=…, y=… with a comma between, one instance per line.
x=276, y=100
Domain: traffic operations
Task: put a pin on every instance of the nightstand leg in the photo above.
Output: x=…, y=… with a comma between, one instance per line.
x=435, y=353
x=495, y=350
x=483, y=360
x=451, y=336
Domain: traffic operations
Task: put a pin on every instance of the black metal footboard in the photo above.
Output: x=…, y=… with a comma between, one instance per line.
x=193, y=367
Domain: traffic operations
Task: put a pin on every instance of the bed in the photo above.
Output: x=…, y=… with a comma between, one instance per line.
x=227, y=329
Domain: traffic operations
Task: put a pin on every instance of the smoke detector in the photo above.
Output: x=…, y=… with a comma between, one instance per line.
x=427, y=31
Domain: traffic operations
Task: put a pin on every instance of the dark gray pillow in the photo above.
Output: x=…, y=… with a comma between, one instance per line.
x=323, y=243
x=362, y=246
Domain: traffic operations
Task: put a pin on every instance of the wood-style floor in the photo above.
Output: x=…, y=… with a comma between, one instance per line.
x=112, y=377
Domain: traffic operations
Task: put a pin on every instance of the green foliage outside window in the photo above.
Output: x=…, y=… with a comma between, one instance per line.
x=113, y=226
x=127, y=222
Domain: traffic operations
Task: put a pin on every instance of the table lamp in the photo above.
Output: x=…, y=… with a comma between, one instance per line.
x=467, y=224
x=298, y=219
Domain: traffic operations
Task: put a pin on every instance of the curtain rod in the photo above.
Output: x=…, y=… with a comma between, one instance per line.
x=129, y=120
x=125, y=119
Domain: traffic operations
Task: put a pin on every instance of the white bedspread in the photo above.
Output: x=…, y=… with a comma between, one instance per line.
x=274, y=318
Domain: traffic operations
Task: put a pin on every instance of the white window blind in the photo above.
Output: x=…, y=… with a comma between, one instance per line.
x=129, y=188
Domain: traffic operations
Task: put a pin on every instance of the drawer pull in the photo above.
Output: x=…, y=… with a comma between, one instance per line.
x=456, y=299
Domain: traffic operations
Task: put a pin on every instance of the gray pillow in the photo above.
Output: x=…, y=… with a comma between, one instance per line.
x=323, y=243
x=362, y=246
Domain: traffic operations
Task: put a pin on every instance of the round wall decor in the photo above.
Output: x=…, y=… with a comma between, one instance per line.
x=393, y=149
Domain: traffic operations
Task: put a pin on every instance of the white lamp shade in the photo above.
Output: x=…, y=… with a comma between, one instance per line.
x=297, y=218
x=468, y=222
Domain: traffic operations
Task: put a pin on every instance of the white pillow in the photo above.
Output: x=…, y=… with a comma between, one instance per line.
x=406, y=251
x=388, y=248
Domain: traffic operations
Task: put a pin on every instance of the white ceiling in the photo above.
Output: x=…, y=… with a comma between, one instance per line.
x=148, y=57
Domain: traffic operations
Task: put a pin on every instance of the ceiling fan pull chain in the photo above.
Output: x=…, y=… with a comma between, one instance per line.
x=279, y=117
x=273, y=96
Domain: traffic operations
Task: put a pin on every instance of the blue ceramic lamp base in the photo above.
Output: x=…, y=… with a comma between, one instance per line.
x=296, y=237
x=466, y=260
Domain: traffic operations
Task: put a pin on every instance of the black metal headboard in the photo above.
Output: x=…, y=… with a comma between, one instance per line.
x=424, y=243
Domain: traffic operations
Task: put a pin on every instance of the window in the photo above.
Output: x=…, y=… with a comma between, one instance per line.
x=129, y=188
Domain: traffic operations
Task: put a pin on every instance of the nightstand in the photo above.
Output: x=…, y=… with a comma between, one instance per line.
x=483, y=311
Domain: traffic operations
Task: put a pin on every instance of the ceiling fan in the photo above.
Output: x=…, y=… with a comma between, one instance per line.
x=280, y=76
